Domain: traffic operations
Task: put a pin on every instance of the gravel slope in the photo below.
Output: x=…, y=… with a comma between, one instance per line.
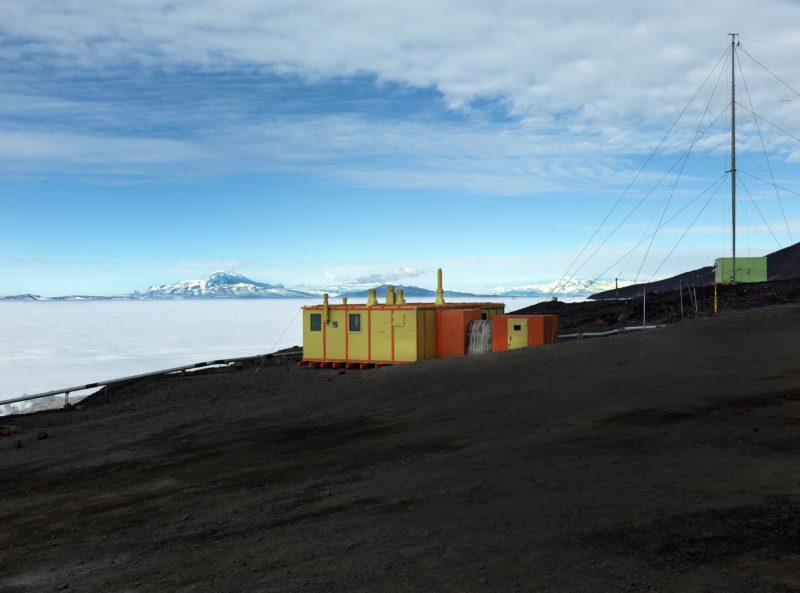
x=662, y=461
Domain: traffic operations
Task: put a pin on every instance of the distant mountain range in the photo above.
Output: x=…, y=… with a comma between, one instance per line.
x=408, y=291
x=72, y=297
x=223, y=284
x=218, y=285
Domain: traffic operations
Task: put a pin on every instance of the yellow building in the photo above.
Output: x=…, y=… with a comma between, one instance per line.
x=373, y=334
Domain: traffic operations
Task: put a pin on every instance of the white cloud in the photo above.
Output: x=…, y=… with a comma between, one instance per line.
x=610, y=59
x=401, y=273
x=584, y=85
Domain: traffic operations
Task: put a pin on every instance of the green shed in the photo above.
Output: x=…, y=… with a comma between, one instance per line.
x=748, y=269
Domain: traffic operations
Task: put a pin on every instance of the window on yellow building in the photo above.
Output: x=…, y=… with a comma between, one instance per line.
x=354, y=320
x=316, y=322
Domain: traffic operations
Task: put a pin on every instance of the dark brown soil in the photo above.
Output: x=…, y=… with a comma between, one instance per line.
x=661, y=461
x=663, y=308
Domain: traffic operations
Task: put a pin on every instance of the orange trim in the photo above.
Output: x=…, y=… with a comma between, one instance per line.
x=324, y=340
x=369, y=333
x=346, y=334
x=416, y=316
x=391, y=331
x=409, y=306
x=425, y=335
x=332, y=360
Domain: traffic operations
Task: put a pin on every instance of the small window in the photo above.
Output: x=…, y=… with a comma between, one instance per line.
x=355, y=322
x=335, y=325
x=316, y=322
x=483, y=315
x=517, y=328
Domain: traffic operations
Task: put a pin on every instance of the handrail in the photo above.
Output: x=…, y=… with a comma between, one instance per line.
x=613, y=332
x=197, y=365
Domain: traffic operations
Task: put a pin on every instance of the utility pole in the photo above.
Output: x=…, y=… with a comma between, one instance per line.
x=733, y=148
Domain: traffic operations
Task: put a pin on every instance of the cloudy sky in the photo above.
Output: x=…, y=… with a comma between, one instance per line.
x=145, y=142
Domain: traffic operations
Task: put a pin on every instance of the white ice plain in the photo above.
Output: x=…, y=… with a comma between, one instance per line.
x=58, y=344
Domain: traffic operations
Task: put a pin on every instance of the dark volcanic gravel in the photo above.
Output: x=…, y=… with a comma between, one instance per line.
x=662, y=461
x=664, y=308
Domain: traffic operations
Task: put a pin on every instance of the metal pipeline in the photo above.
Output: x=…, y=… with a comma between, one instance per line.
x=188, y=367
x=612, y=332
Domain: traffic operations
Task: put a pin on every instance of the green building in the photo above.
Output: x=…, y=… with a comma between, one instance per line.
x=748, y=269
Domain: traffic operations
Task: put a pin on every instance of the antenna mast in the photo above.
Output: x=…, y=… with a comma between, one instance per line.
x=733, y=149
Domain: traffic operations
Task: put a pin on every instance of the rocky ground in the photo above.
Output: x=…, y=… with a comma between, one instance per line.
x=663, y=308
x=660, y=461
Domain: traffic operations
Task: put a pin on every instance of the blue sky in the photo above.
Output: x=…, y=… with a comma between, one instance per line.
x=321, y=143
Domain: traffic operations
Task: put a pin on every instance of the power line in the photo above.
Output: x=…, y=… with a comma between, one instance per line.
x=769, y=42
x=766, y=156
x=625, y=219
x=776, y=126
x=561, y=283
x=717, y=183
x=680, y=173
x=638, y=204
x=791, y=191
x=685, y=232
x=778, y=78
x=752, y=199
x=642, y=200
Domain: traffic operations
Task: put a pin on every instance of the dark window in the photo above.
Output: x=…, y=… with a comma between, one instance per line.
x=517, y=328
x=355, y=322
x=483, y=315
x=335, y=324
x=316, y=322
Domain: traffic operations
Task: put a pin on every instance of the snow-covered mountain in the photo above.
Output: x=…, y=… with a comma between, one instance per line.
x=408, y=291
x=71, y=297
x=23, y=297
x=223, y=284
x=219, y=284
x=574, y=287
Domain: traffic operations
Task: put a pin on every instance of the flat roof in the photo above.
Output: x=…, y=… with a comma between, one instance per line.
x=475, y=305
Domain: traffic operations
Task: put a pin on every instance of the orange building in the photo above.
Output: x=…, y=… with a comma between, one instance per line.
x=374, y=334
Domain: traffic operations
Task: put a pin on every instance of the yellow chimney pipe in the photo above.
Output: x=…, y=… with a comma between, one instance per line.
x=373, y=298
x=439, y=289
x=401, y=297
x=326, y=314
x=344, y=300
x=390, y=295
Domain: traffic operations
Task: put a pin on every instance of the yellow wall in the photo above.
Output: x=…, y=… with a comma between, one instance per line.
x=381, y=334
x=357, y=341
x=334, y=335
x=312, y=341
x=517, y=338
x=414, y=332
x=404, y=323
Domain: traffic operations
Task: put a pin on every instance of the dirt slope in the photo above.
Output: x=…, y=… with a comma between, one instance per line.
x=783, y=264
x=666, y=461
x=665, y=307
